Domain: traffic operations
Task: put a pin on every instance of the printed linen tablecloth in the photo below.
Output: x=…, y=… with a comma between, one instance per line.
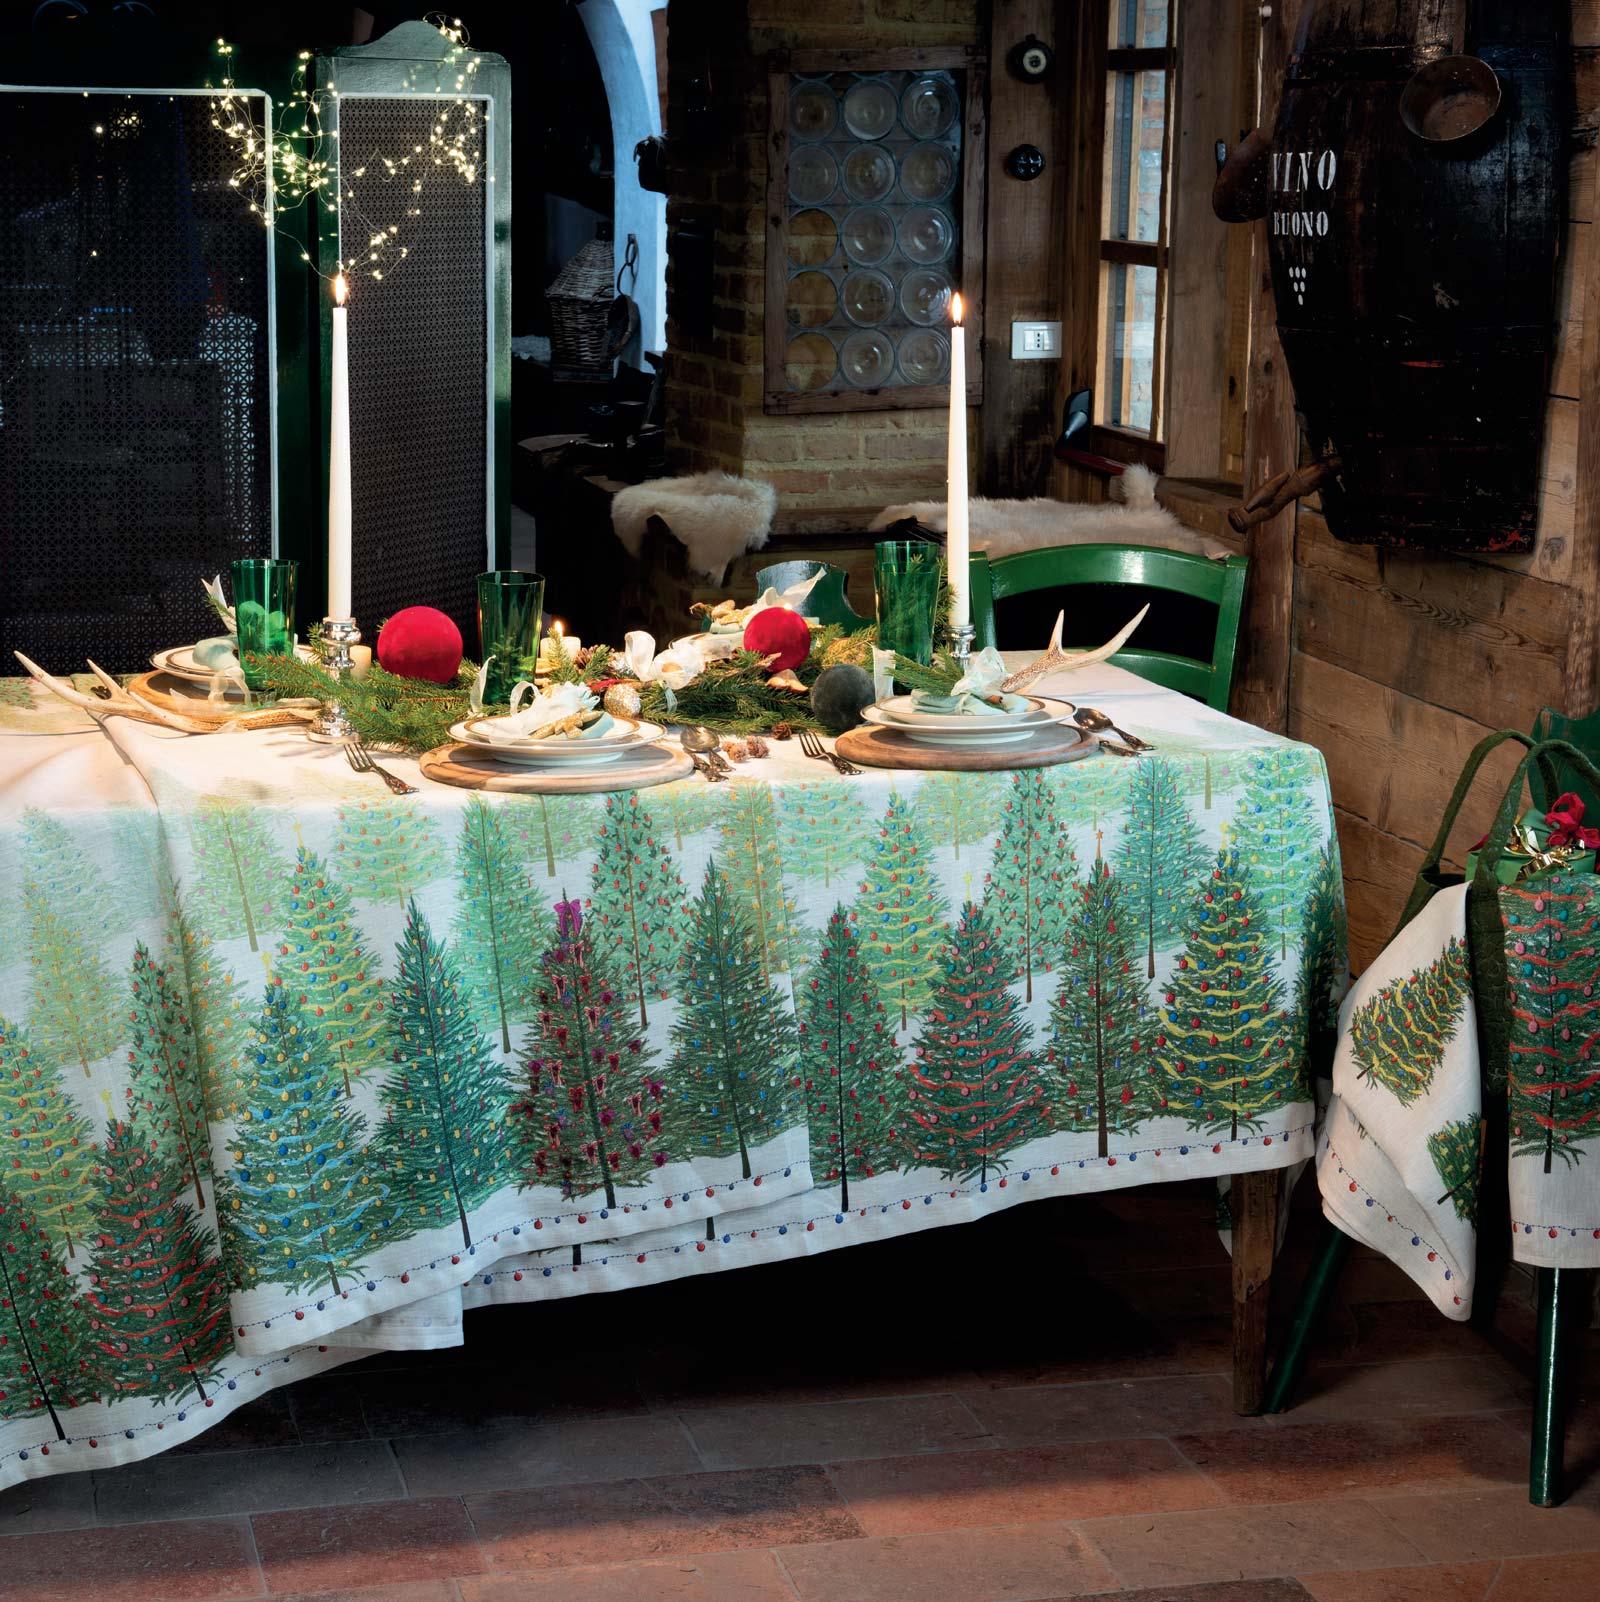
x=292, y=1068
x=1401, y=1154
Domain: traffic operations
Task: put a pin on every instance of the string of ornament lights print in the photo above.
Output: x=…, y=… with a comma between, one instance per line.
x=289, y=168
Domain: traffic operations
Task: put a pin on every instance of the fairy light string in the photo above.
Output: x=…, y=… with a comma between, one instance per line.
x=296, y=164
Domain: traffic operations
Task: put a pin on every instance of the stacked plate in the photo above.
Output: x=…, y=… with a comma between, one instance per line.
x=180, y=663
x=488, y=736
x=996, y=727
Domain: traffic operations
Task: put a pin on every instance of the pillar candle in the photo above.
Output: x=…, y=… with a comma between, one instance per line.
x=956, y=543
x=339, y=458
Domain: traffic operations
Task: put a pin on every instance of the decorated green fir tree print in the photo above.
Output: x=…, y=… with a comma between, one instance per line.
x=328, y=969
x=548, y=831
x=748, y=854
x=496, y=931
x=237, y=886
x=822, y=826
x=1225, y=1045
x=161, y=1083
x=1279, y=820
x=900, y=911
x=157, y=1296
x=218, y=1014
x=1028, y=889
x=1552, y=935
x=960, y=810
x=973, y=1091
x=1457, y=1153
x=733, y=1048
x=138, y=843
x=71, y=1008
x=444, y=1137
x=48, y=1158
x=687, y=808
x=1095, y=799
x=847, y=1055
x=1159, y=856
x=591, y=1119
x=301, y=1198
x=1398, y=1036
x=1102, y=1072
x=387, y=849
x=636, y=898
x=1324, y=961
x=46, y=1353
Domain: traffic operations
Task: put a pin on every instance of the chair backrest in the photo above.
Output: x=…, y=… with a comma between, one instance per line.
x=1545, y=786
x=1221, y=583
x=827, y=602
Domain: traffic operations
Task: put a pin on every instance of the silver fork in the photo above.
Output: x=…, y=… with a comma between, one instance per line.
x=813, y=747
x=357, y=756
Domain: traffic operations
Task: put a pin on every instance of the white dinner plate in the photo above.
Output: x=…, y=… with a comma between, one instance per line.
x=899, y=712
x=558, y=753
x=985, y=733
x=180, y=663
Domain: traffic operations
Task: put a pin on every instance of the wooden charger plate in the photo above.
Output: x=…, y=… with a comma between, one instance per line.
x=636, y=769
x=878, y=747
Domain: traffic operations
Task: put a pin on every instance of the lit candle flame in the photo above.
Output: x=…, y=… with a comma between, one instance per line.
x=955, y=310
x=341, y=289
x=556, y=628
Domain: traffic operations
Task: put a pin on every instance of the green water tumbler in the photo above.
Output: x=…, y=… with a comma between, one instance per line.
x=905, y=577
x=510, y=609
x=263, y=605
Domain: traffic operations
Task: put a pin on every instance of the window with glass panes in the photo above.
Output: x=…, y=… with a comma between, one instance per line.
x=1133, y=214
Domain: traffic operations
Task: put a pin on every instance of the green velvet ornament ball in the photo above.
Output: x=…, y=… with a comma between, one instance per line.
x=838, y=696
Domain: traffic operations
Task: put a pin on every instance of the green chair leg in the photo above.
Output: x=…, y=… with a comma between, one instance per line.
x=1549, y=1396
x=1324, y=1275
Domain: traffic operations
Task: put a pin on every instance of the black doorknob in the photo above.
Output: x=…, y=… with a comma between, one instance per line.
x=1025, y=162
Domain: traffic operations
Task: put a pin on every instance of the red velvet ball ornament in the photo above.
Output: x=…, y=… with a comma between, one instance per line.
x=779, y=630
x=420, y=642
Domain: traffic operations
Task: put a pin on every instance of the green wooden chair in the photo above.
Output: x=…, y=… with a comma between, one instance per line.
x=827, y=602
x=1139, y=567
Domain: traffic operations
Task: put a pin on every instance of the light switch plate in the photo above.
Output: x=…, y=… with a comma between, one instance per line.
x=1035, y=342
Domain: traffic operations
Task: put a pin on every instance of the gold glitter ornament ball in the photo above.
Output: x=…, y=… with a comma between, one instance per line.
x=622, y=701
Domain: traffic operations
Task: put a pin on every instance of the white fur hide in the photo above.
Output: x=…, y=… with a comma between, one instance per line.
x=713, y=515
x=1003, y=528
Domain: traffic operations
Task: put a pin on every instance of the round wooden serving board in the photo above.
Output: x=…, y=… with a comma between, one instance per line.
x=637, y=770
x=885, y=748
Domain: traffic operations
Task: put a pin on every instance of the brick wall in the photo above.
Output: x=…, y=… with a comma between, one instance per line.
x=819, y=464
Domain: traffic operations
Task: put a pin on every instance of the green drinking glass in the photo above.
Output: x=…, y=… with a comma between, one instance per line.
x=905, y=577
x=263, y=604
x=510, y=609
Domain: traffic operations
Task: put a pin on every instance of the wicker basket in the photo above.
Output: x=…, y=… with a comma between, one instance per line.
x=580, y=304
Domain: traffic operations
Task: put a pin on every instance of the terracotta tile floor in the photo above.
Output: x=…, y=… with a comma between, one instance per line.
x=1018, y=1412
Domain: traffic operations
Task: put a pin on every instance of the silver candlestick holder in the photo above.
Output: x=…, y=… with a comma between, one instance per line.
x=338, y=635
x=961, y=637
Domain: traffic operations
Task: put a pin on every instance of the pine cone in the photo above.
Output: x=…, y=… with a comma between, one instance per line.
x=782, y=731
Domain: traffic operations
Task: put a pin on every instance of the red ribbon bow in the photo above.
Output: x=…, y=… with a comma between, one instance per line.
x=1565, y=819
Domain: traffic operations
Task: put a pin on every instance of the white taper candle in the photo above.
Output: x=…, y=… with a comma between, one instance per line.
x=957, y=544
x=339, y=458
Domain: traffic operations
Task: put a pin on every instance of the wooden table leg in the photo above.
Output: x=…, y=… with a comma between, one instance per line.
x=1254, y=1203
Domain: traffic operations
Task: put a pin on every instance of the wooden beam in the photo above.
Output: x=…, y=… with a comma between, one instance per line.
x=1583, y=660
x=1272, y=445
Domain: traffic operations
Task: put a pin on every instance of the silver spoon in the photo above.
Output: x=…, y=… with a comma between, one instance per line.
x=1093, y=722
x=700, y=742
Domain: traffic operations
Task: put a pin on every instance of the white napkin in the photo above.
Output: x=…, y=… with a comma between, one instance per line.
x=733, y=621
x=547, y=706
x=976, y=693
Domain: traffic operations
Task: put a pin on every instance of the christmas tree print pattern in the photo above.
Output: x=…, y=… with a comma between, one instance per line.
x=444, y=1140
x=1279, y=823
x=687, y=808
x=45, y=1342
x=299, y=1200
x=218, y=1014
x=1159, y=856
x=157, y=1300
x=496, y=930
x=973, y=1091
x=239, y=872
x=70, y=1009
x=1324, y=961
x=748, y=854
x=592, y=1118
x=1029, y=889
x=1103, y=1075
x=1398, y=1036
x=847, y=1058
x=636, y=899
x=959, y=810
x=548, y=831
x=162, y=1083
x=1457, y=1153
x=1224, y=1044
x=1552, y=938
x=48, y=1159
x=733, y=1044
x=329, y=971
x=386, y=850
x=900, y=911
x=822, y=829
